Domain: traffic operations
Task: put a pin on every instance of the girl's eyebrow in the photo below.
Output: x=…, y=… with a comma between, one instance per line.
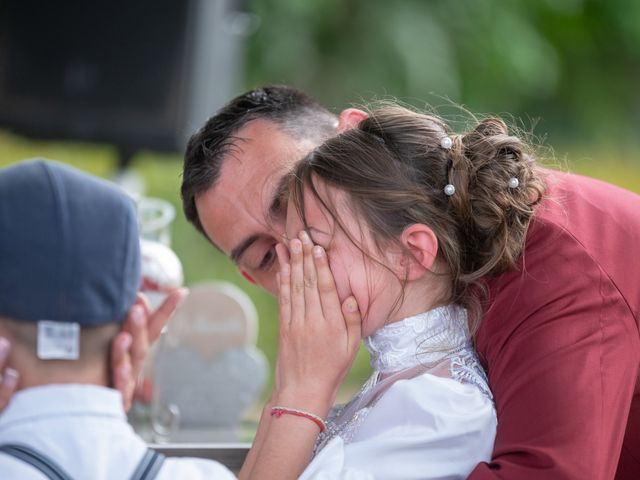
x=309, y=231
x=279, y=195
x=317, y=230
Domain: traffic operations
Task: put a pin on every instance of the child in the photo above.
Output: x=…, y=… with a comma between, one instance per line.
x=410, y=218
x=69, y=274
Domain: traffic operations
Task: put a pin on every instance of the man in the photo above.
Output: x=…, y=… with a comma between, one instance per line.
x=559, y=337
x=69, y=275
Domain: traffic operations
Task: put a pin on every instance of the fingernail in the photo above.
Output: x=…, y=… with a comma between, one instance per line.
x=10, y=378
x=296, y=246
x=136, y=315
x=304, y=236
x=4, y=348
x=352, y=305
x=126, y=343
x=318, y=251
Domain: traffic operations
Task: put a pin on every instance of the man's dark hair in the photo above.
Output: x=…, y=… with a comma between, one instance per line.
x=294, y=112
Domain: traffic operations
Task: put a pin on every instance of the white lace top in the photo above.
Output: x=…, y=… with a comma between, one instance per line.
x=425, y=412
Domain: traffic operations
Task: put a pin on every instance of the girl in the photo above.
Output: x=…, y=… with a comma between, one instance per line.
x=408, y=218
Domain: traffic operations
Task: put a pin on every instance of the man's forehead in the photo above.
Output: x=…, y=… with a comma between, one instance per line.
x=243, y=208
x=266, y=136
x=251, y=190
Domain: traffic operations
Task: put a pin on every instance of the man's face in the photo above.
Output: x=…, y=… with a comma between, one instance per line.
x=242, y=214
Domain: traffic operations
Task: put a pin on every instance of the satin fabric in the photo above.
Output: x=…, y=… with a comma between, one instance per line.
x=424, y=414
x=560, y=340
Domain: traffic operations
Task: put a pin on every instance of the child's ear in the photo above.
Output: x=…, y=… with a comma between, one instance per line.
x=422, y=245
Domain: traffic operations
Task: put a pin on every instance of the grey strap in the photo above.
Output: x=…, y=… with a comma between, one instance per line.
x=149, y=466
x=37, y=460
x=147, y=469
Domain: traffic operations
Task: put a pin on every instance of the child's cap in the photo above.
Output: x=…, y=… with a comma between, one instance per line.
x=69, y=246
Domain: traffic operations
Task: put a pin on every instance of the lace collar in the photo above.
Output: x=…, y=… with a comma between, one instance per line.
x=422, y=339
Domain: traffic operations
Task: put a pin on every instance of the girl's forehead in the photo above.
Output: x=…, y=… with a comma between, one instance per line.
x=315, y=212
x=328, y=211
x=323, y=204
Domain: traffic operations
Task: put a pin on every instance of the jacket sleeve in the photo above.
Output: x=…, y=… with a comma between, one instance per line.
x=562, y=351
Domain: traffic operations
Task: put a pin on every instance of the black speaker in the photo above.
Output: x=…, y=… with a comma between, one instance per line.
x=137, y=73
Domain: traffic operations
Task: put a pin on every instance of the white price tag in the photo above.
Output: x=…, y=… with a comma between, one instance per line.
x=58, y=340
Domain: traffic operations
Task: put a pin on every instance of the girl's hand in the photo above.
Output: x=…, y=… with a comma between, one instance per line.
x=319, y=336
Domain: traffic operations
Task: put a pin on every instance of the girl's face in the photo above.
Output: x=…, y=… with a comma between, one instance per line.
x=375, y=288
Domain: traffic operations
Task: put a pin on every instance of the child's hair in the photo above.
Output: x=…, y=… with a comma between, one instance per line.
x=394, y=169
x=95, y=343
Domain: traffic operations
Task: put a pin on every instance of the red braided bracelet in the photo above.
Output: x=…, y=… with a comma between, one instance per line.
x=279, y=411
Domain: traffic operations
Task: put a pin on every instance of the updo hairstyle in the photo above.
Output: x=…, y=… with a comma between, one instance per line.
x=394, y=168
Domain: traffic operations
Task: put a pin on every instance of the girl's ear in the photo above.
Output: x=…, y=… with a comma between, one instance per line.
x=350, y=118
x=422, y=245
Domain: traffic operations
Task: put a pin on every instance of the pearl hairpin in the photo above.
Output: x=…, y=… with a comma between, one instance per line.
x=446, y=143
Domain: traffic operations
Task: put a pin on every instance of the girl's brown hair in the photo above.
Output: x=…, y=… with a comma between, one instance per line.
x=394, y=170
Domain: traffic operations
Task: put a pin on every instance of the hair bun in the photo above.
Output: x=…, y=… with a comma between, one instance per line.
x=490, y=127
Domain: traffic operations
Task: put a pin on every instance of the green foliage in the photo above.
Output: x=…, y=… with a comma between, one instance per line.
x=575, y=64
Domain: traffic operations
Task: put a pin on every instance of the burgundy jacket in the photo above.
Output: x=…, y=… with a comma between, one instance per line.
x=560, y=340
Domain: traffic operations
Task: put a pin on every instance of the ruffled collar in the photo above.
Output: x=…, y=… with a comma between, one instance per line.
x=421, y=339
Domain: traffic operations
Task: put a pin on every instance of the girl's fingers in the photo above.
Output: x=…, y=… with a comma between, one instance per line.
x=284, y=296
x=284, y=286
x=353, y=323
x=297, y=281
x=329, y=300
x=283, y=254
x=311, y=295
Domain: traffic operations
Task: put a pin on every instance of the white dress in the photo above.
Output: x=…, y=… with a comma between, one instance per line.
x=425, y=413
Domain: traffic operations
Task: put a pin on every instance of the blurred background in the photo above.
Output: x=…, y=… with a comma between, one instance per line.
x=122, y=84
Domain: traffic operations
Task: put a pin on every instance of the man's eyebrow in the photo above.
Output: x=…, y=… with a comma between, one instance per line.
x=237, y=253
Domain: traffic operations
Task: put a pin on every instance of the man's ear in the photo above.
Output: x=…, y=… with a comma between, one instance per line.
x=350, y=118
x=422, y=245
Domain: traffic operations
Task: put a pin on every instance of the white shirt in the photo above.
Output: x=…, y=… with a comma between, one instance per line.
x=426, y=412
x=83, y=428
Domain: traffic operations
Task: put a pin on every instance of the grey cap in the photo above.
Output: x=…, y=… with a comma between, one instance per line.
x=69, y=246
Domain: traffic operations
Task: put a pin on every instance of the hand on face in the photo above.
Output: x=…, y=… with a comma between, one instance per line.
x=8, y=376
x=319, y=335
x=141, y=328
